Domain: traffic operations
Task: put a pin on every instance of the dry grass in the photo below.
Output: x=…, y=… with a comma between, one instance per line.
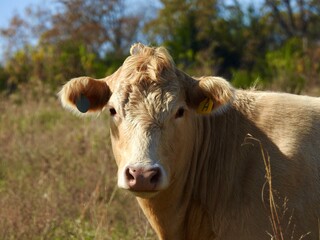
x=58, y=176
x=271, y=205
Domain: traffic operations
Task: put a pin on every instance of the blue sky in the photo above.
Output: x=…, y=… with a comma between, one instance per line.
x=9, y=7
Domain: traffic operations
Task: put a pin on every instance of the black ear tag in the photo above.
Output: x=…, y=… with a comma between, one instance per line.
x=83, y=103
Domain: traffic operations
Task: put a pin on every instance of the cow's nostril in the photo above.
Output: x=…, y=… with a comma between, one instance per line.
x=129, y=175
x=156, y=177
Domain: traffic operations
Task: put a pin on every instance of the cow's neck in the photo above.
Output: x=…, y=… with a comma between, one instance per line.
x=220, y=161
x=165, y=213
x=175, y=214
x=201, y=198
x=216, y=150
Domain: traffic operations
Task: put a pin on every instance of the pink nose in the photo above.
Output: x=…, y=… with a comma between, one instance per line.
x=143, y=179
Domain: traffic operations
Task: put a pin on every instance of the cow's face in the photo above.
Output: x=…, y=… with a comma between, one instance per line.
x=149, y=124
x=152, y=108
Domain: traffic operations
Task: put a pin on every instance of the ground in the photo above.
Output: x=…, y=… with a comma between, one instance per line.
x=58, y=176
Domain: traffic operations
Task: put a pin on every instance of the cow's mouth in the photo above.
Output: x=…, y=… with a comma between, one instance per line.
x=144, y=194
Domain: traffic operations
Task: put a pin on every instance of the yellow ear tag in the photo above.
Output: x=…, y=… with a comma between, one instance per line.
x=205, y=107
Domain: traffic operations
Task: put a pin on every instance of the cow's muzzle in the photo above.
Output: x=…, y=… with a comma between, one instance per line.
x=142, y=179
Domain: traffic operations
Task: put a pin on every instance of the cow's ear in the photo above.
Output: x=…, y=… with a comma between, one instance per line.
x=208, y=94
x=85, y=94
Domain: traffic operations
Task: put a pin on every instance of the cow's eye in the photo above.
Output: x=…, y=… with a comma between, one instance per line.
x=179, y=113
x=112, y=111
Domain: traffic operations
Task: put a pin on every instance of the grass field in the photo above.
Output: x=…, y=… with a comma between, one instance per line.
x=58, y=176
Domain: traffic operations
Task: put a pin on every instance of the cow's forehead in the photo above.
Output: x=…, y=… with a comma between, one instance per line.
x=150, y=66
x=147, y=83
x=148, y=99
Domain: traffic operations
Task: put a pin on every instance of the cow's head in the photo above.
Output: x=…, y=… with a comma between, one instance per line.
x=153, y=107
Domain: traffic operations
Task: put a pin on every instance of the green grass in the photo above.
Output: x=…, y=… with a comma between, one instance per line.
x=58, y=176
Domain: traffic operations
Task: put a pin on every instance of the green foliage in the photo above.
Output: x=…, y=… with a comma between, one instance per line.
x=183, y=42
x=240, y=42
x=52, y=65
x=243, y=79
x=4, y=76
x=273, y=42
x=287, y=66
x=18, y=69
x=112, y=62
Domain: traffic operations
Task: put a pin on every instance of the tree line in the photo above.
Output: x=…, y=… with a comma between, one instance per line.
x=275, y=44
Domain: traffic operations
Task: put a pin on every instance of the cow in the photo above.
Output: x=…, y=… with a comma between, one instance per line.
x=196, y=151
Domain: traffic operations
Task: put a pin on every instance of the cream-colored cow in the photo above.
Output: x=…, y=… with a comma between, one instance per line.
x=181, y=147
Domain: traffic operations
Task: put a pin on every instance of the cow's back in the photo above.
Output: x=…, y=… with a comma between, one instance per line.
x=291, y=121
